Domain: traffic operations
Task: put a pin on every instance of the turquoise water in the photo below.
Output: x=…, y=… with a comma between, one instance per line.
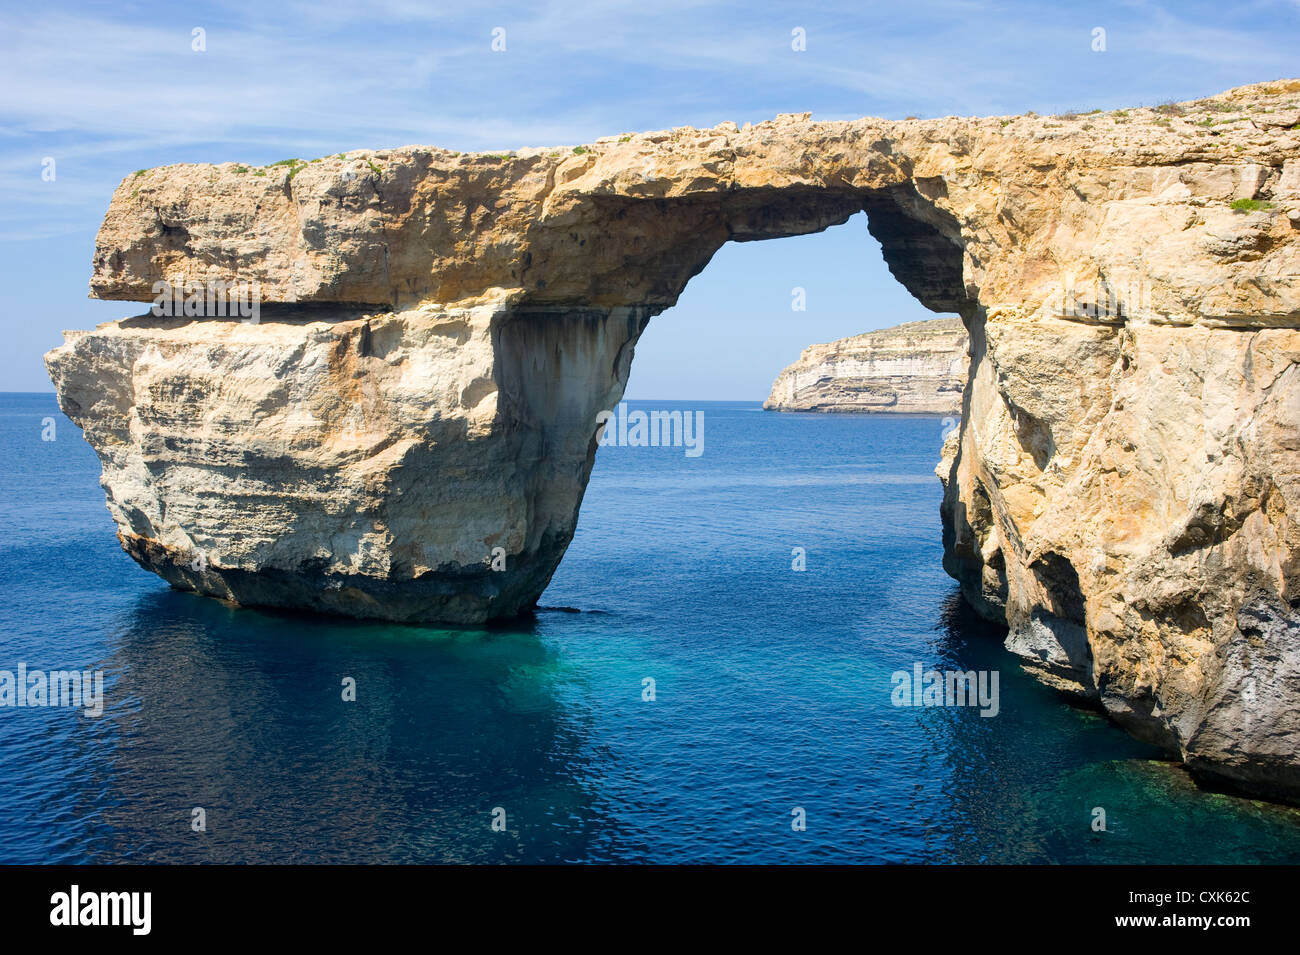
x=772, y=689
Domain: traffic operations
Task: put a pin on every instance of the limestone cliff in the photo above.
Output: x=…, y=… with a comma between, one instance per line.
x=409, y=433
x=916, y=367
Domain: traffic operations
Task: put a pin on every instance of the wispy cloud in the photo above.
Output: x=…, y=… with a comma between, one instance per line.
x=104, y=90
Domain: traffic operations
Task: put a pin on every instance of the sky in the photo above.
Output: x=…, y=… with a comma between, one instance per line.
x=104, y=89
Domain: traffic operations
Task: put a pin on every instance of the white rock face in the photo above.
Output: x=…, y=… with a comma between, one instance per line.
x=304, y=461
x=916, y=368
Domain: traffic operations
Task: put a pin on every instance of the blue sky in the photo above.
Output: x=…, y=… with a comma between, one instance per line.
x=107, y=88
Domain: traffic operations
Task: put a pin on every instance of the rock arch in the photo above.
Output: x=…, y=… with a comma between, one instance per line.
x=442, y=329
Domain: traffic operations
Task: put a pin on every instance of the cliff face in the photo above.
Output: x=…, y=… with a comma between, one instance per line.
x=916, y=367
x=367, y=464
x=419, y=411
x=1124, y=497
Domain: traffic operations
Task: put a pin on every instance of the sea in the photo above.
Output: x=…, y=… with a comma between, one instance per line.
x=713, y=676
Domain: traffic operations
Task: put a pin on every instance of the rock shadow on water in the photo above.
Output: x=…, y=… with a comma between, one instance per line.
x=241, y=712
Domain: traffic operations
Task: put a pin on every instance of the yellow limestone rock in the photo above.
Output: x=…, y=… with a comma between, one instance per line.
x=408, y=431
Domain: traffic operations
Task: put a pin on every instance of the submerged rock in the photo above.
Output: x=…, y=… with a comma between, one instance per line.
x=408, y=431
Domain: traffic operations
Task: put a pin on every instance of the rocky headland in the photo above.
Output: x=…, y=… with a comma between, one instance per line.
x=408, y=430
x=916, y=368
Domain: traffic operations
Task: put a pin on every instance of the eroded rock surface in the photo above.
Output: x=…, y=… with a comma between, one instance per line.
x=913, y=368
x=1124, y=491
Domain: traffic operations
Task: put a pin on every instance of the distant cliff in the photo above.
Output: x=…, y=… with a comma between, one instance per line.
x=918, y=367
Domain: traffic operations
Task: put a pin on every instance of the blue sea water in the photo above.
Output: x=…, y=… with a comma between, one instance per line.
x=772, y=689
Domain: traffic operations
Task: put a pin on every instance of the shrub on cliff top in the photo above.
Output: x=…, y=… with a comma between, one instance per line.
x=1250, y=205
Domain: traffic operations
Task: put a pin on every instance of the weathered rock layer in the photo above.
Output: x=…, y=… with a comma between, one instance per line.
x=913, y=368
x=1124, y=491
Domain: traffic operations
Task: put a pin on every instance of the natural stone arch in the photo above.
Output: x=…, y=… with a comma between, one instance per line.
x=1126, y=462
x=552, y=359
